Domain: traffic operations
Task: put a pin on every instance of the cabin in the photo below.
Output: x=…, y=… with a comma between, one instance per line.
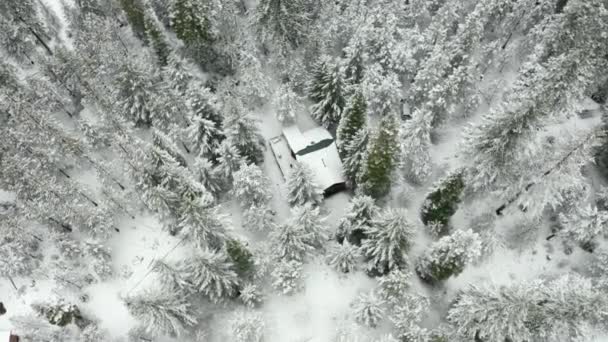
x=314, y=148
x=7, y=336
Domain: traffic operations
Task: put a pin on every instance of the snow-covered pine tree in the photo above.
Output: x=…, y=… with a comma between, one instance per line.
x=250, y=295
x=282, y=22
x=382, y=89
x=415, y=147
x=211, y=274
x=552, y=83
x=309, y=219
x=562, y=309
x=287, y=276
x=368, y=309
x=259, y=219
x=355, y=156
x=229, y=162
x=291, y=242
x=177, y=72
x=584, y=224
x=407, y=316
x=248, y=327
x=301, y=187
x=18, y=248
x=242, y=131
x=251, y=187
x=327, y=90
x=448, y=256
x=207, y=174
x=388, y=239
x=202, y=222
x=190, y=21
x=170, y=277
x=288, y=104
x=344, y=257
x=135, y=92
x=359, y=215
x=443, y=201
x=393, y=286
x=155, y=36
x=376, y=174
x=353, y=121
x=162, y=312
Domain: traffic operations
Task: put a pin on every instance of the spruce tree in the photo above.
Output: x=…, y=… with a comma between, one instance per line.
x=359, y=216
x=283, y=21
x=448, y=256
x=343, y=257
x=387, y=242
x=327, y=91
x=190, y=21
x=355, y=154
x=243, y=132
x=251, y=187
x=162, y=312
x=353, y=121
x=134, y=10
x=368, y=309
x=301, y=187
x=291, y=242
x=443, y=201
x=211, y=274
x=156, y=36
x=135, y=92
x=309, y=219
x=375, y=178
x=415, y=147
x=563, y=309
x=201, y=222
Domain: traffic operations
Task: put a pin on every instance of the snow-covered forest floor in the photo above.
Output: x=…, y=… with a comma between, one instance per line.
x=443, y=104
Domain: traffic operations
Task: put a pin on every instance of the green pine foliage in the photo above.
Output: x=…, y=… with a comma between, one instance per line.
x=327, y=90
x=375, y=179
x=241, y=258
x=134, y=10
x=352, y=121
x=156, y=37
x=190, y=22
x=442, y=203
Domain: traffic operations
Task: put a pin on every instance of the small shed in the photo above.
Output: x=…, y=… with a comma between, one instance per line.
x=7, y=336
x=314, y=148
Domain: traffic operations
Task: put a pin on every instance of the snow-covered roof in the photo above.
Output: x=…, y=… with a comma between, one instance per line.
x=325, y=164
x=300, y=141
x=315, y=148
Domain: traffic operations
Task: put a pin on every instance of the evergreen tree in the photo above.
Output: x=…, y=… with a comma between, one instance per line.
x=202, y=222
x=156, y=36
x=382, y=90
x=211, y=274
x=327, y=91
x=135, y=92
x=177, y=72
x=353, y=121
x=359, y=215
x=291, y=242
x=355, y=155
x=229, y=162
x=134, y=10
x=301, y=187
x=170, y=277
x=287, y=276
x=259, y=219
x=344, y=257
x=443, y=201
x=248, y=327
x=162, y=312
x=375, y=178
x=282, y=21
x=368, y=309
x=560, y=310
x=448, y=256
x=241, y=258
x=415, y=147
x=190, y=21
x=251, y=187
x=208, y=175
x=309, y=219
x=584, y=224
x=389, y=238
x=243, y=133
x=394, y=287
x=288, y=105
